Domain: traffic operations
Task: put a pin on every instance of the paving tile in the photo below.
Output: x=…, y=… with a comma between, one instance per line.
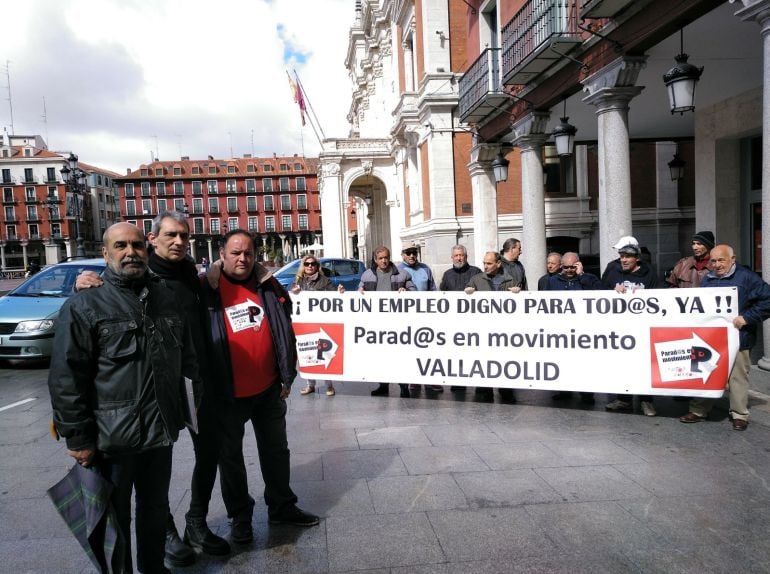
x=517, y=455
x=381, y=541
x=334, y=497
x=416, y=493
x=392, y=437
x=499, y=534
x=460, y=434
x=591, y=483
x=362, y=464
x=575, y=452
x=679, y=478
x=324, y=441
x=61, y=555
x=505, y=488
x=441, y=459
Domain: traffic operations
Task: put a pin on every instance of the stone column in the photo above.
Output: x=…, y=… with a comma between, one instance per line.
x=330, y=190
x=69, y=247
x=759, y=11
x=211, y=251
x=610, y=89
x=484, y=190
x=530, y=135
x=24, y=254
x=193, y=251
x=3, y=266
x=51, y=252
x=408, y=67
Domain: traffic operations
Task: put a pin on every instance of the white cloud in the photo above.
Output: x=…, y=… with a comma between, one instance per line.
x=196, y=74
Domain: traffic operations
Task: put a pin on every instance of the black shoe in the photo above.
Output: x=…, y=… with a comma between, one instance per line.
x=241, y=531
x=561, y=396
x=405, y=394
x=198, y=535
x=507, y=395
x=177, y=552
x=457, y=389
x=295, y=516
x=380, y=391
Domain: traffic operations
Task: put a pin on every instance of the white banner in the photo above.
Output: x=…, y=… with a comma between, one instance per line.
x=657, y=342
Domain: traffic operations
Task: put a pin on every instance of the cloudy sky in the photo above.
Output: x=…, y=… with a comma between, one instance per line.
x=122, y=78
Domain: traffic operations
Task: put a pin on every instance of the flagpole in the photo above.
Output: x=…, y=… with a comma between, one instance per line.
x=309, y=105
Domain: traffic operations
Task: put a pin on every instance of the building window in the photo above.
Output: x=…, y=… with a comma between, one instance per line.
x=267, y=167
x=29, y=193
x=147, y=225
x=132, y=222
x=179, y=205
x=198, y=226
x=146, y=207
x=230, y=186
x=286, y=222
x=160, y=188
x=129, y=190
x=212, y=185
x=55, y=230
x=254, y=224
x=7, y=194
x=9, y=215
x=299, y=182
x=214, y=226
x=268, y=203
x=297, y=166
x=251, y=186
x=302, y=201
x=159, y=171
x=145, y=189
x=28, y=176
x=270, y=223
x=34, y=231
x=177, y=171
x=251, y=168
x=232, y=204
x=284, y=167
x=230, y=169
x=178, y=188
x=53, y=192
x=267, y=185
x=212, y=169
x=213, y=205
x=303, y=222
x=10, y=232
x=98, y=179
x=284, y=183
x=27, y=152
x=196, y=170
x=197, y=187
x=51, y=171
x=31, y=213
x=7, y=176
x=131, y=207
x=143, y=172
x=251, y=203
x=161, y=206
x=232, y=223
x=285, y=203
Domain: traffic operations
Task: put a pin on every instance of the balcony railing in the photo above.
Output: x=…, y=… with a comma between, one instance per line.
x=481, y=91
x=537, y=37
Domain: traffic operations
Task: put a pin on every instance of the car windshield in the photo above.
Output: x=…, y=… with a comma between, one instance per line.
x=58, y=281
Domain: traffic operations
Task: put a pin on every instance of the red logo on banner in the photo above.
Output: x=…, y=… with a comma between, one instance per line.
x=689, y=358
x=320, y=347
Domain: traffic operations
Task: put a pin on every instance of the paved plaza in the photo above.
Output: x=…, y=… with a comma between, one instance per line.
x=446, y=484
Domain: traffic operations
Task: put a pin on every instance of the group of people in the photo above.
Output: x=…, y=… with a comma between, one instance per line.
x=128, y=340
x=125, y=343
x=710, y=265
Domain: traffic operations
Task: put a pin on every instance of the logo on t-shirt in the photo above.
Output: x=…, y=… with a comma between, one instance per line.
x=246, y=315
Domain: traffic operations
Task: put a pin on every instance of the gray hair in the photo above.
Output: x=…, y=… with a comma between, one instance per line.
x=460, y=248
x=177, y=216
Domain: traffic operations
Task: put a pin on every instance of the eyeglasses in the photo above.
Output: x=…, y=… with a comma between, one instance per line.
x=310, y=264
x=410, y=252
x=569, y=266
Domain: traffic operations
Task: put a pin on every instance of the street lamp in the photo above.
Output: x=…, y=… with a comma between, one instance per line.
x=500, y=167
x=681, y=81
x=676, y=166
x=75, y=180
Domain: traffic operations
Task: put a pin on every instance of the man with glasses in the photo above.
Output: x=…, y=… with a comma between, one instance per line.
x=753, y=309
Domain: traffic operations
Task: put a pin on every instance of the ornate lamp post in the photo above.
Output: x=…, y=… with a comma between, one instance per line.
x=75, y=180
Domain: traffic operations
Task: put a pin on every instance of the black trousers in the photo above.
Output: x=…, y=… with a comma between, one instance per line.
x=206, y=443
x=267, y=413
x=149, y=474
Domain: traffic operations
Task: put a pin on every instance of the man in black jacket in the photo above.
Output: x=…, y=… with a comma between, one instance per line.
x=254, y=353
x=116, y=386
x=456, y=277
x=170, y=238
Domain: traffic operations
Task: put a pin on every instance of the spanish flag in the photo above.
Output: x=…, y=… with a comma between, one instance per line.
x=299, y=99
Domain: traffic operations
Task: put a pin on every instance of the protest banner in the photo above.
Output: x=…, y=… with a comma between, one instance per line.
x=659, y=342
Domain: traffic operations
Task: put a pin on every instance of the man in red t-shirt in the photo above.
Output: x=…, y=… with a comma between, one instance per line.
x=254, y=350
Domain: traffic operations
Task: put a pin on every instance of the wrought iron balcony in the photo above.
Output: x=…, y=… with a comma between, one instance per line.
x=537, y=37
x=481, y=92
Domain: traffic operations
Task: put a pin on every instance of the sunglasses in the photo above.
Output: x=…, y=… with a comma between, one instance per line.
x=410, y=252
x=310, y=264
x=569, y=266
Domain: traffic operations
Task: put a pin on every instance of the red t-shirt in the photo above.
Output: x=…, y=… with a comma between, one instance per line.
x=252, y=355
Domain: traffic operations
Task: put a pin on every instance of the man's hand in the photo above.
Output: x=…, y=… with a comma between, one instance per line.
x=739, y=322
x=83, y=457
x=579, y=267
x=515, y=289
x=295, y=289
x=470, y=290
x=620, y=288
x=340, y=288
x=88, y=279
x=285, y=391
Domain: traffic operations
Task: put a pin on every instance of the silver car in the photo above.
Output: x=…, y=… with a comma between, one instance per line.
x=28, y=313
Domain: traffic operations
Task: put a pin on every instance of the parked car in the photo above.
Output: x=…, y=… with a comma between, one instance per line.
x=28, y=313
x=345, y=271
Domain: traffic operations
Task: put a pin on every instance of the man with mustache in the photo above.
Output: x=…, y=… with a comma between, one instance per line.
x=116, y=386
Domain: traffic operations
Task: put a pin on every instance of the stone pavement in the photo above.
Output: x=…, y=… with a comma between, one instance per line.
x=444, y=484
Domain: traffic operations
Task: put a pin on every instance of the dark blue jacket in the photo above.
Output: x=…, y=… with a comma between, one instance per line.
x=753, y=299
x=642, y=278
x=584, y=282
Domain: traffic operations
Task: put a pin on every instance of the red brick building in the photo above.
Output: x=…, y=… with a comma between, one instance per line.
x=275, y=198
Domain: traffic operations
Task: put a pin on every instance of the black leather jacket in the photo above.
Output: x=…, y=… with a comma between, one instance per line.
x=116, y=374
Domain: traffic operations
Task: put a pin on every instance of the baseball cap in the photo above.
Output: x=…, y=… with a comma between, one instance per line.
x=626, y=240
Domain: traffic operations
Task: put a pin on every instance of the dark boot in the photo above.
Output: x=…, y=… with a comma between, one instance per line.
x=198, y=535
x=381, y=390
x=241, y=531
x=177, y=552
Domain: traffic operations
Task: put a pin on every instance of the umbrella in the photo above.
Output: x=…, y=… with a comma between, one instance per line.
x=82, y=498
